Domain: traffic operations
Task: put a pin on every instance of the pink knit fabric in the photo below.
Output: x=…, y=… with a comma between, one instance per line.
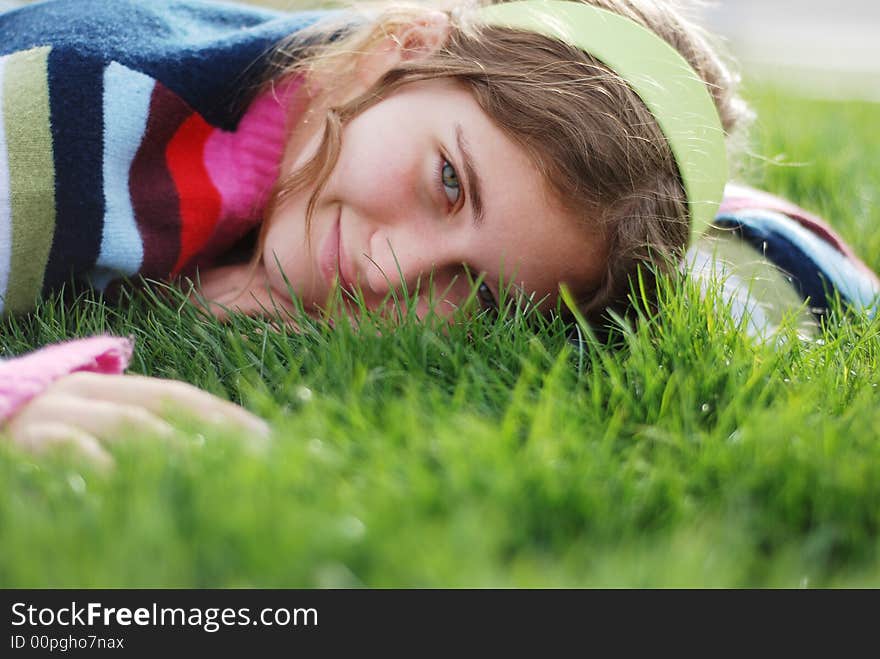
x=244, y=165
x=24, y=377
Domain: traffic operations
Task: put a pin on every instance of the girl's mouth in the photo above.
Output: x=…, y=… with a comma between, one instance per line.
x=332, y=260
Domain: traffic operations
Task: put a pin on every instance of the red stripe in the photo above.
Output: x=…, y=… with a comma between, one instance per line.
x=153, y=194
x=200, y=201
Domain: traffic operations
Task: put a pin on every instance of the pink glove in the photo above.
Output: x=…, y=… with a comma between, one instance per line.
x=24, y=377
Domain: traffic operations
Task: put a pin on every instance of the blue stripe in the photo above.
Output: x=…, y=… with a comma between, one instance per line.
x=126, y=108
x=75, y=86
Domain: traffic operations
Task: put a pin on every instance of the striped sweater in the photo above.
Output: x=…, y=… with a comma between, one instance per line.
x=127, y=142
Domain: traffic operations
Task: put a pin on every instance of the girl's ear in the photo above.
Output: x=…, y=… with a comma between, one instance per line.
x=422, y=37
x=411, y=41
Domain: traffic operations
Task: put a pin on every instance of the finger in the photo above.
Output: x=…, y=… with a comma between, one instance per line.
x=42, y=437
x=104, y=419
x=157, y=395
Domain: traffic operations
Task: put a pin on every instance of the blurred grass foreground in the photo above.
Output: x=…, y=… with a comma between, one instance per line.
x=497, y=453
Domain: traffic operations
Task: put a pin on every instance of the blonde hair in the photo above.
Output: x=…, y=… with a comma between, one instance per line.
x=589, y=135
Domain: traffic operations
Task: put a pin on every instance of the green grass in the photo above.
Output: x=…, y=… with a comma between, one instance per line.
x=494, y=454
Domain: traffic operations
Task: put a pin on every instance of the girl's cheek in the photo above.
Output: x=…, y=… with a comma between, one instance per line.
x=379, y=189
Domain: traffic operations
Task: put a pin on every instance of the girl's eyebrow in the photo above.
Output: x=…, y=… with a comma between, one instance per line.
x=471, y=178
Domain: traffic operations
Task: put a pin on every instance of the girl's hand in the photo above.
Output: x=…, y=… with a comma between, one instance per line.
x=88, y=411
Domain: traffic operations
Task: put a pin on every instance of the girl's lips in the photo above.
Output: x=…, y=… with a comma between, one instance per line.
x=328, y=257
x=332, y=261
x=342, y=260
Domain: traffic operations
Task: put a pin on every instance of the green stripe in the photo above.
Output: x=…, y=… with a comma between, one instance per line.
x=31, y=174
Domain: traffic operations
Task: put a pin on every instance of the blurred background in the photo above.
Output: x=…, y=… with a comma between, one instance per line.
x=822, y=48
x=819, y=48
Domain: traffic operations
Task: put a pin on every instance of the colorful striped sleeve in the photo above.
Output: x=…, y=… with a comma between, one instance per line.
x=107, y=173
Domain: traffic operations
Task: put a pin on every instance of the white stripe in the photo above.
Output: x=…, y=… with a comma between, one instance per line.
x=5, y=199
x=126, y=109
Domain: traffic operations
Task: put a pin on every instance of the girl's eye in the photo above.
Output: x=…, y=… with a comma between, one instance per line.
x=449, y=181
x=487, y=300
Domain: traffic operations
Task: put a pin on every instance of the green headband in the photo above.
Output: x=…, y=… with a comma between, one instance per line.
x=673, y=92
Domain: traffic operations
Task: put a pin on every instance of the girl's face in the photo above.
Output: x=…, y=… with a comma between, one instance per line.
x=427, y=188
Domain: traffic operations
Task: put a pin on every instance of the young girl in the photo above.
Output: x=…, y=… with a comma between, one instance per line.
x=404, y=147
